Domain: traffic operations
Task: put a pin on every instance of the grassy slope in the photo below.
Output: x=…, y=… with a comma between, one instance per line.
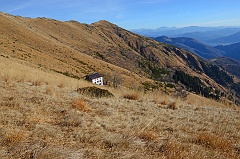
x=58, y=46
x=78, y=49
x=43, y=118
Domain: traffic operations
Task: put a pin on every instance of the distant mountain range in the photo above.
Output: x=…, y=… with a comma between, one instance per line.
x=232, y=50
x=225, y=56
x=234, y=38
x=201, y=49
x=209, y=35
x=192, y=45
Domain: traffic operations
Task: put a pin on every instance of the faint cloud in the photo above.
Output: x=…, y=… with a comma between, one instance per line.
x=22, y=6
x=226, y=22
x=119, y=16
x=222, y=22
x=185, y=13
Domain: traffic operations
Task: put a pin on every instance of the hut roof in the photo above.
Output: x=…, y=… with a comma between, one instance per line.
x=94, y=76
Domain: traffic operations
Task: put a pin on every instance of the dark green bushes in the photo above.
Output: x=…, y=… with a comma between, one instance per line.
x=194, y=84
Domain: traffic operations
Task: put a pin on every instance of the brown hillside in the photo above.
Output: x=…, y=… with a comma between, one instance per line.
x=62, y=42
x=46, y=114
x=77, y=49
x=55, y=45
x=46, y=117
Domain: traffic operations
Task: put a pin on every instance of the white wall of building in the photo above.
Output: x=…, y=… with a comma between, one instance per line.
x=98, y=81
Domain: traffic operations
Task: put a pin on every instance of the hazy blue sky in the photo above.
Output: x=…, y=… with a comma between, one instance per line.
x=131, y=14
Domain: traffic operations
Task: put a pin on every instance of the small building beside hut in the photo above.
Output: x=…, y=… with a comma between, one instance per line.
x=95, y=78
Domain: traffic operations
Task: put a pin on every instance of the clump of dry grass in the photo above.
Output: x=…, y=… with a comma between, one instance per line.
x=38, y=83
x=80, y=104
x=148, y=135
x=133, y=96
x=212, y=141
x=9, y=139
x=50, y=90
x=173, y=149
x=173, y=105
x=164, y=102
x=61, y=85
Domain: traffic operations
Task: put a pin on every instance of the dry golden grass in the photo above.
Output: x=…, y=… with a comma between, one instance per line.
x=164, y=102
x=194, y=99
x=214, y=141
x=160, y=98
x=80, y=104
x=40, y=121
x=15, y=70
x=131, y=96
x=147, y=135
x=10, y=139
x=173, y=105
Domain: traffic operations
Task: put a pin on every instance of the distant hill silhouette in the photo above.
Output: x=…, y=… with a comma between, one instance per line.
x=232, y=50
x=234, y=38
x=206, y=35
x=209, y=37
x=192, y=45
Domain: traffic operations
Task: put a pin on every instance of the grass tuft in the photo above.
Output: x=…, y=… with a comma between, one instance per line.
x=11, y=139
x=165, y=102
x=213, y=141
x=174, y=150
x=148, y=135
x=173, y=105
x=80, y=104
x=131, y=96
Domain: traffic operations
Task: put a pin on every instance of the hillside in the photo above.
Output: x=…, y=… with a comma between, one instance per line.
x=74, y=49
x=232, y=50
x=192, y=45
x=229, y=64
x=58, y=46
x=44, y=116
x=234, y=38
x=202, y=49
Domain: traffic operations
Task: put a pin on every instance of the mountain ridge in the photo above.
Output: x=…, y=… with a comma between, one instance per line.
x=205, y=35
x=231, y=50
x=76, y=49
x=231, y=39
x=192, y=45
